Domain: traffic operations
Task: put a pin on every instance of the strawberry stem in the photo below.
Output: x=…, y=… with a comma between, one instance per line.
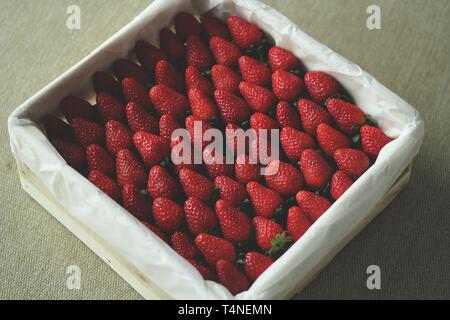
x=279, y=243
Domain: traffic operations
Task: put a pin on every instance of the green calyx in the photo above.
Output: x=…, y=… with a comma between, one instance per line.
x=279, y=243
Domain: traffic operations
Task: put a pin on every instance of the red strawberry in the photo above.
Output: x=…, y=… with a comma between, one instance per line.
x=347, y=116
x=167, y=125
x=104, y=82
x=230, y=190
x=340, y=182
x=179, y=159
x=106, y=184
x=135, y=203
x=110, y=108
x=127, y=69
x=184, y=245
x=171, y=45
x=270, y=236
x=118, y=137
x=265, y=201
x=316, y=170
x=73, y=107
x=100, y=159
x=262, y=121
x=245, y=34
x=231, y=278
x=168, y=101
x=206, y=273
x=130, y=170
x=294, y=142
x=55, y=128
x=255, y=264
x=195, y=80
x=153, y=149
x=197, y=53
x=162, y=184
x=225, y=78
x=312, y=115
x=186, y=25
x=246, y=171
x=321, y=86
x=286, y=179
x=254, y=71
x=136, y=92
x=286, y=86
x=168, y=215
x=297, y=223
x=312, y=204
x=234, y=224
x=232, y=108
x=225, y=52
x=353, y=162
x=167, y=75
x=331, y=139
x=196, y=185
x=216, y=164
x=287, y=116
x=214, y=27
x=73, y=154
x=193, y=124
x=202, y=106
x=199, y=217
x=258, y=98
x=214, y=248
x=156, y=231
x=87, y=132
x=148, y=55
x=281, y=59
x=139, y=119
x=373, y=140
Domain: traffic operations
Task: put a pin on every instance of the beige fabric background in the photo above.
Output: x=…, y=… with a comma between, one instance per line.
x=410, y=240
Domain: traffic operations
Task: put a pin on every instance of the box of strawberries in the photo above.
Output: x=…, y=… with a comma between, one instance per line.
x=213, y=150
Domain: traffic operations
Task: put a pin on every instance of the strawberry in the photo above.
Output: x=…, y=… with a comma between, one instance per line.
x=196, y=185
x=197, y=54
x=179, y=159
x=225, y=52
x=216, y=164
x=262, y=121
x=297, y=223
x=184, y=245
x=153, y=149
x=266, y=202
x=232, y=108
x=270, y=236
x=206, y=273
x=130, y=170
x=148, y=56
x=168, y=101
x=87, y=132
x=55, y=128
x=347, y=116
x=286, y=86
x=258, y=98
x=286, y=179
x=234, y=224
x=353, y=162
x=104, y=82
x=340, y=182
x=162, y=184
x=294, y=142
x=246, y=171
x=260, y=148
x=168, y=215
x=281, y=59
x=214, y=248
x=195, y=80
x=136, y=92
x=255, y=264
x=109, y=108
x=230, y=190
x=127, y=69
x=321, y=86
x=186, y=25
x=73, y=107
x=202, y=106
x=311, y=115
x=373, y=140
x=214, y=27
x=167, y=125
x=118, y=137
x=156, y=231
x=245, y=34
x=316, y=170
x=171, y=45
x=331, y=139
x=166, y=74
x=99, y=159
x=106, y=184
x=199, y=217
x=192, y=124
x=139, y=119
x=254, y=71
x=287, y=116
x=231, y=278
x=135, y=203
x=312, y=204
x=225, y=78
x=73, y=154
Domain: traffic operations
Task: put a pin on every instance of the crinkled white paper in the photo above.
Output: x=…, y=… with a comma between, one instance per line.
x=143, y=249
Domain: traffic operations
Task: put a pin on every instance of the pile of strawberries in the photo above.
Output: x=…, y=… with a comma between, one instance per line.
x=228, y=221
